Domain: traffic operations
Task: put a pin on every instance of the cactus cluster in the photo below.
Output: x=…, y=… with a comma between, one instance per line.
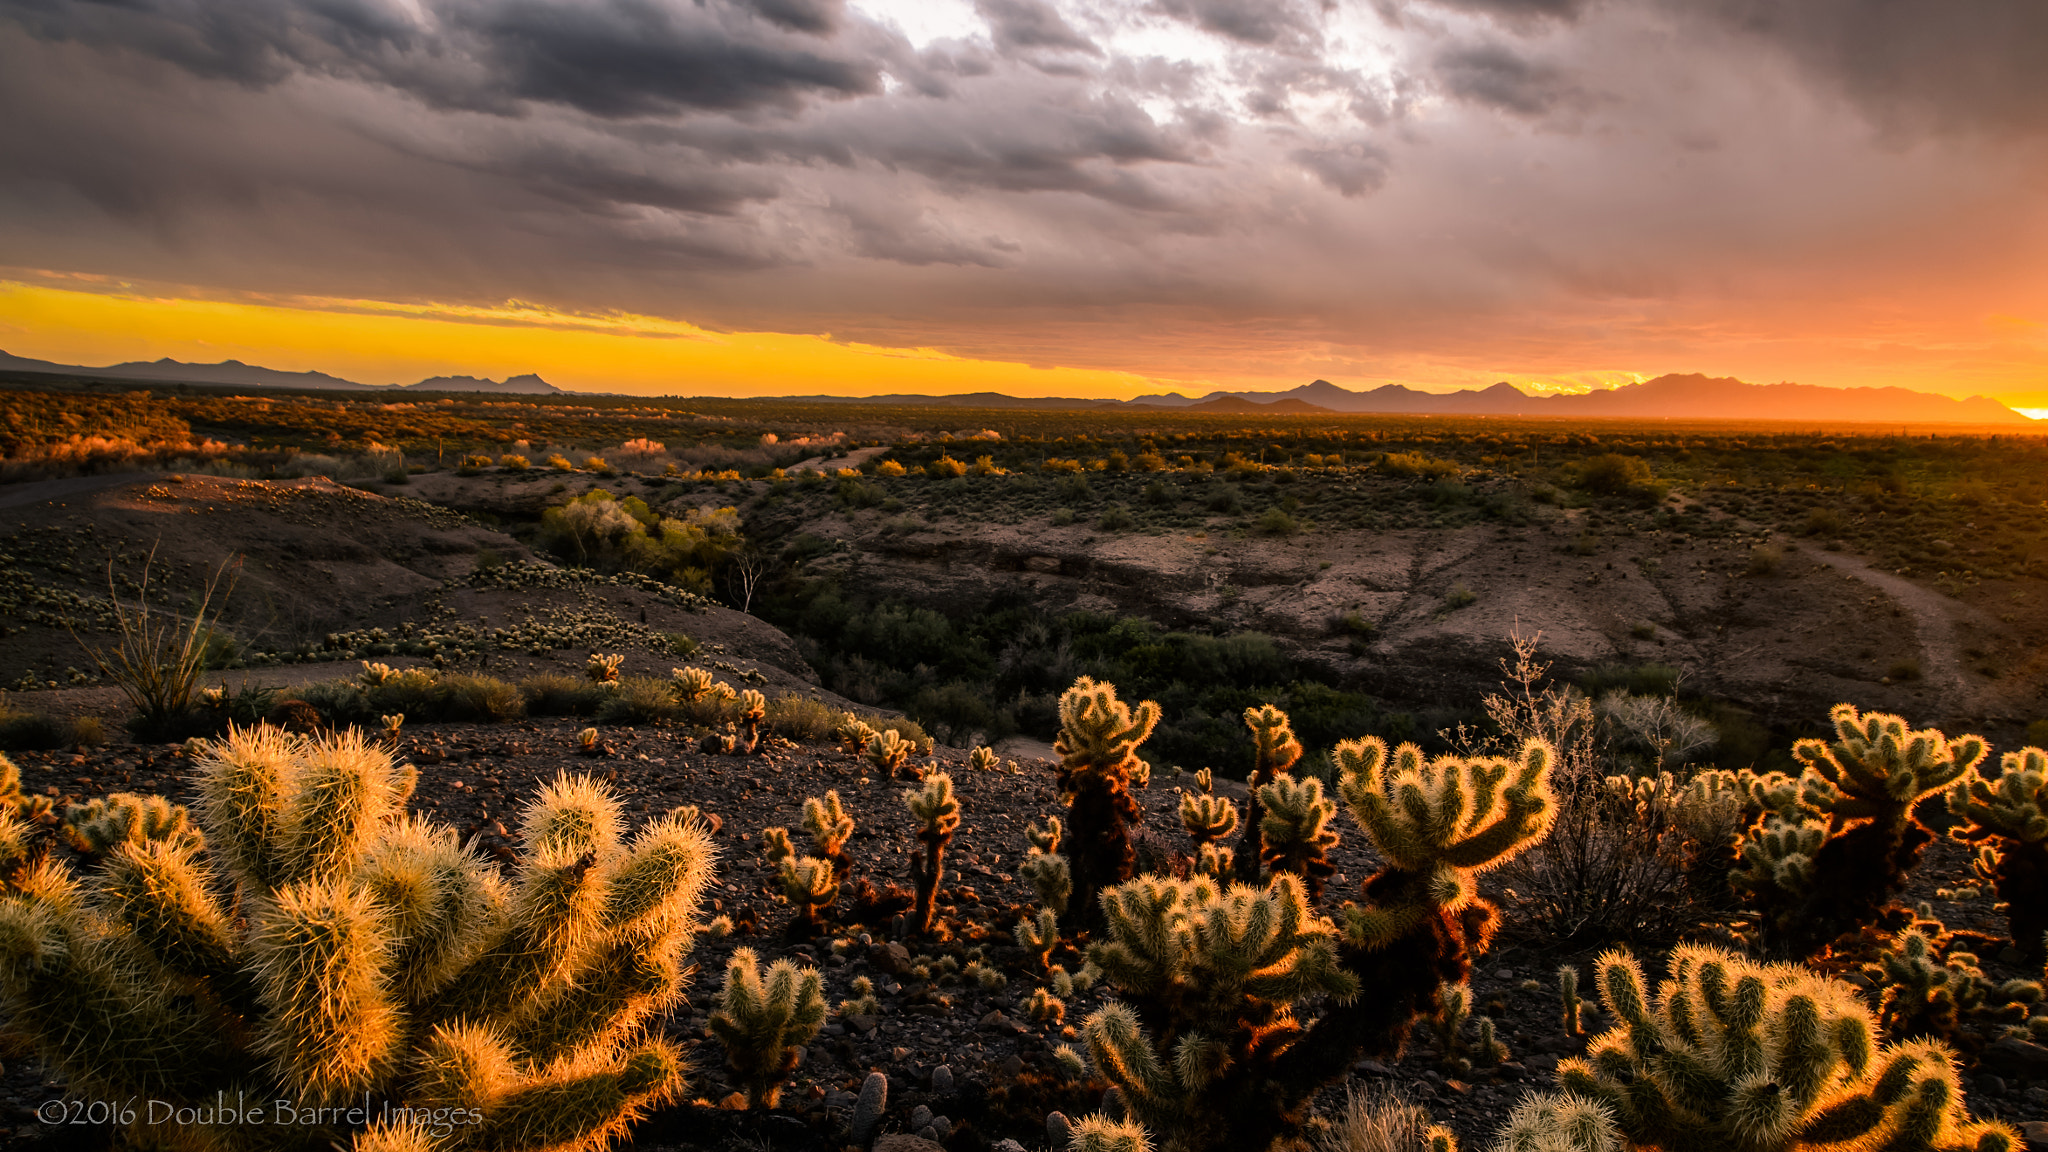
x=1929, y=985
x=104, y=823
x=1294, y=832
x=1734, y=1056
x=1828, y=865
x=1097, y=746
x=1209, y=818
x=371, y=954
x=1274, y=752
x=1207, y=979
x=2006, y=817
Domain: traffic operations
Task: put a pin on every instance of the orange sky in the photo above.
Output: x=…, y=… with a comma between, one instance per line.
x=1037, y=197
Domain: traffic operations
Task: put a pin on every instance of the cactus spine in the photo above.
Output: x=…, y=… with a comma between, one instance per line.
x=938, y=816
x=2007, y=817
x=373, y=954
x=1097, y=746
x=764, y=1023
x=1552, y=1122
x=1213, y=974
x=102, y=824
x=1740, y=1057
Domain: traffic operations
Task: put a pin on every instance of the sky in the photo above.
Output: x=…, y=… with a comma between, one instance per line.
x=1040, y=197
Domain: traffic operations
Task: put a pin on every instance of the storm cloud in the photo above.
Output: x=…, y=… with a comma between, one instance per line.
x=1148, y=185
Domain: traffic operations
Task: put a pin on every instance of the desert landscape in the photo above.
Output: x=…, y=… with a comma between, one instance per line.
x=909, y=602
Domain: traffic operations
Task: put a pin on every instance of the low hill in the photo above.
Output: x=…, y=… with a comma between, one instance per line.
x=177, y=371
x=528, y=385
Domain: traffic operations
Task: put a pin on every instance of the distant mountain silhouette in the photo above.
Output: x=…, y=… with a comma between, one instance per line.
x=529, y=384
x=179, y=372
x=1676, y=396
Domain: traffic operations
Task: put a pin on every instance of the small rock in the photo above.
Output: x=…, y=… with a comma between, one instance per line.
x=1372, y=1067
x=2018, y=1054
x=899, y=1054
x=2036, y=1134
x=862, y=1024
x=1991, y=1085
x=1503, y=973
x=1006, y=1145
x=892, y=958
x=904, y=1142
x=736, y=1102
x=1013, y=1065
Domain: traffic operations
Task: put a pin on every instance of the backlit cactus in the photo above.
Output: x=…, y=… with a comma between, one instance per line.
x=1039, y=934
x=1863, y=785
x=1214, y=973
x=765, y=1021
x=1274, y=751
x=1572, y=1006
x=1294, y=832
x=2007, y=818
x=1553, y=1122
x=937, y=813
x=888, y=752
x=102, y=824
x=749, y=710
x=811, y=886
x=1928, y=986
x=1097, y=745
x=852, y=733
x=602, y=668
x=692, y=684
x=982, y=759
x=372, y=954
x=1045, y=869
x=830, y=828
x=1739, y=1057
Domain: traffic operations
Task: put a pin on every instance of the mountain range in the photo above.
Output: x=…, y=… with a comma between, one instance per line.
x=243, y=375
x=1671, y=397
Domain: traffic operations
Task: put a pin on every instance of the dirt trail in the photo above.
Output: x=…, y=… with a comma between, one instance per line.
x=1934, y=622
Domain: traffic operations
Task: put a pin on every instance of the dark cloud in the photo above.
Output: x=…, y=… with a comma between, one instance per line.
x=1030, y=25
x=609, y=58
x=1518, y=11
x=1495, y=75
x=1915, y=63
x=1350, y=169
x=1259, y=22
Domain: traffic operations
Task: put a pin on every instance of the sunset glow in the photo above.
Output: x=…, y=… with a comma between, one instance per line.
x=1040, y=197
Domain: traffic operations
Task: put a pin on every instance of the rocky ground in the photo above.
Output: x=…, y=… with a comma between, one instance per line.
x=997, y=1059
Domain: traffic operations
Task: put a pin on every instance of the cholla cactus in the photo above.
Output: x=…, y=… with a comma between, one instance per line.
x=1929, y=986
x=1739, y=1057
x=862, y=1002
x=830, y=828
x=1453, y=1051
x=765, y=1023
x=1216, y=973
x=375, y=675
x=1214, y=861
x=1099, y=1133
x=102, y=824
x=1275, y=750
x=2007, y=818
x=810, y=886
x=1097, y=745
x=1864, y=786
x=1046, y=1008
x=1045, y=869
x=1039, y=934
x=889, y=752
x=1553, y=1122
x=982, y=759
x=373, y=954
x=392, y=723
x=1206, y=817
x=852, y=733
x=692, y=684
x=603, y=669
x=749, y=711
x=1294, y=833
x=938, y=816
x=1569, y=1001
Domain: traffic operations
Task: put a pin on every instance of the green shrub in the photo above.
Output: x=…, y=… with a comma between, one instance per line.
x=33, y=732
x=1764, y=560
x=555, y=694
x=801, y=718
x=1276, y=522
x=1116, y=518
x=638, y=700
x=1418, y=464
x=1460, y=597
x=480, y=699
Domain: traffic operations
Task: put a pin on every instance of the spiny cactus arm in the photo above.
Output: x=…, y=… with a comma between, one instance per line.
x=1099, y=1133
x=661, y=880
x=1294, y=832
x=1275, y=748
x=809, y=883
x=585, y=1110
x=1047, y=839
x=245, y=781
x=1520, y=818
x=109, y=1029
x=618, y=990
x=1269, y=945
x=1215, y=861
x=1148, y=942
x=775, y=845
x=1914, y=1101
x=764, y=1022
x=1553, y=1122
x=1039, y=934
x=1050, y=878
x=347, y=789
x=1878, y=766
x=157, y=891
x=391, y=1135
x=1120, y=1050
x=330, y=1029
